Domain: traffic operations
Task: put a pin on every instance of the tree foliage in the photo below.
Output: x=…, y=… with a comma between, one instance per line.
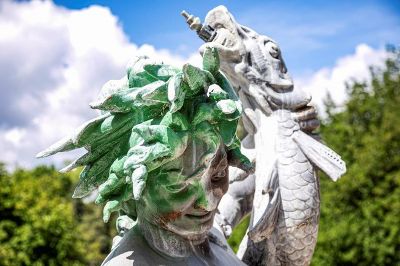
x=238, y=233
x=41, y=225
x=360, y=214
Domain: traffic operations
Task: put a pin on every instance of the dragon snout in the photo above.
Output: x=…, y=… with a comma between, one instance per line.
x=287, y=97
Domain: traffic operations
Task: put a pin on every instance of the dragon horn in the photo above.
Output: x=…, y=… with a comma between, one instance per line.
x=205, y=32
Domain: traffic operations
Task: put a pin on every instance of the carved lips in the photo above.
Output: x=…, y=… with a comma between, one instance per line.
x=201, y=217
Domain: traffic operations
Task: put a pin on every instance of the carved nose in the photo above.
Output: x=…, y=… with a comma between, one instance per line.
x=211, y=203
x=214, y=192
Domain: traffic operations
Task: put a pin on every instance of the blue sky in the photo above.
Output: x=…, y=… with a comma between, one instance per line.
x=56, y=55
x=312, y=34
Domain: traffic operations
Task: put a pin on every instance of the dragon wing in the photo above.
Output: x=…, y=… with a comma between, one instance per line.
x=326, y=159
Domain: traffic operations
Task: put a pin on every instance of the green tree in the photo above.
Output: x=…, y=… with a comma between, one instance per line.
x=238, y=233
x=360, y=214
x=41, y=225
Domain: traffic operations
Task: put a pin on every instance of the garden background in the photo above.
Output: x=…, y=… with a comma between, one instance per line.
x=55, y=56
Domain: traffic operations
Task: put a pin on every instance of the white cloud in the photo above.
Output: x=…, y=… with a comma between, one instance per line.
x=15, y=135
x=347, y=68
x=53, y=62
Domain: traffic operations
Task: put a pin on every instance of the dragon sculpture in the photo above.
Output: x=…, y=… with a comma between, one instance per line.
x=283, y=193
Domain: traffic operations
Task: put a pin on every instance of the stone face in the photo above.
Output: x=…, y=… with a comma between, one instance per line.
x=285, y=191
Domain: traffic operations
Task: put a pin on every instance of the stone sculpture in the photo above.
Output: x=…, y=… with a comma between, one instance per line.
x=159, y=155
x=283, y=193
x=160, y=150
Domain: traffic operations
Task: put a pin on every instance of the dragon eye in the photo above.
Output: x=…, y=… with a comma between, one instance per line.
x=273, y=49
x=218, y=26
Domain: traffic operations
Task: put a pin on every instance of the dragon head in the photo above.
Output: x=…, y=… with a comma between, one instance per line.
x=252, y=62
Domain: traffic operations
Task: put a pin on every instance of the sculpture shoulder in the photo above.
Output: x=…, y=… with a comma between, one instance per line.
x=222, y=257
x=126, y=252
x=134, y=250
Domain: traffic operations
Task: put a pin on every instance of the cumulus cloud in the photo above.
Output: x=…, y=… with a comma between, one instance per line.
x=53, y=62
x=354, y=67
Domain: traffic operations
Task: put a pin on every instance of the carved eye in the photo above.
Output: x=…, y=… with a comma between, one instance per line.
x=218, y=26
x=273, y=49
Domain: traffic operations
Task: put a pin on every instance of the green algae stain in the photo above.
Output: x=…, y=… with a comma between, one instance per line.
x=147, y=124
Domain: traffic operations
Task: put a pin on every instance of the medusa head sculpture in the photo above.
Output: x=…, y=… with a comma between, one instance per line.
x=160, y=149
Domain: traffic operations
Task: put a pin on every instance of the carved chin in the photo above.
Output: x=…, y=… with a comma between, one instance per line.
x=191, y=226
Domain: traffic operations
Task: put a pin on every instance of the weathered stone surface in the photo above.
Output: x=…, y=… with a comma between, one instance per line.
x=159, y=155
x=285, y=210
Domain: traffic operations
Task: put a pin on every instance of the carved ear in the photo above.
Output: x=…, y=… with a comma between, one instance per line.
x=211, y=61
